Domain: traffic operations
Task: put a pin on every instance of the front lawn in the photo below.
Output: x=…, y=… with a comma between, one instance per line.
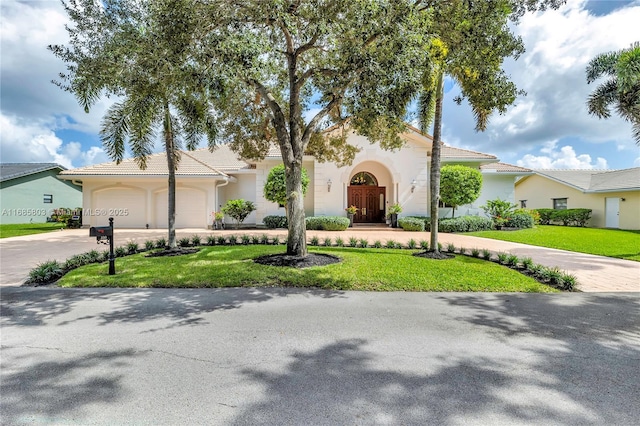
x=603, y=242
x=360, y=269
x=19, y=229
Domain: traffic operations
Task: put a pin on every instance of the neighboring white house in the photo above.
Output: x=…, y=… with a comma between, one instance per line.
x=612, y=195
x=206, y=180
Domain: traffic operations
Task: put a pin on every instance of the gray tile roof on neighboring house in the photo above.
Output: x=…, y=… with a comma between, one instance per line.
x=596, y=180
x=505, y=168
x=9, y=171
x=200, y=162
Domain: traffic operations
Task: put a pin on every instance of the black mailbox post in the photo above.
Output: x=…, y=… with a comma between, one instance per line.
x=105, y=232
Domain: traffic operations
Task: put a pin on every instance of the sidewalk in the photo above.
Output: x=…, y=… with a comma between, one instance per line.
x=595, y=273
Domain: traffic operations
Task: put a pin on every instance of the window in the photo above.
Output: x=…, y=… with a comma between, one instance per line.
x=523, y=204
x=48, y=198
x=364, y=178
x=560, y=203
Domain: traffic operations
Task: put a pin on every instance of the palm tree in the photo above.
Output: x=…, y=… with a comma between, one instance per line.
x=470, y=44
x=621, y=90
x=139, y=51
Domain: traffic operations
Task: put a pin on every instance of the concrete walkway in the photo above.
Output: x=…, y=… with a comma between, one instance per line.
x=18, y=255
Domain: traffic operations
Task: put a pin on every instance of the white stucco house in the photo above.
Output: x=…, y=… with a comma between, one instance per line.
x=206, y=180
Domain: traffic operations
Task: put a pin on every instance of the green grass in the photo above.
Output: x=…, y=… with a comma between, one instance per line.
x=19, y=229
x=360, y=269
x=604, y=242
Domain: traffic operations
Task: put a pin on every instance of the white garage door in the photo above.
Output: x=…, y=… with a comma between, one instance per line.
x=191, y=210
x=127, y=206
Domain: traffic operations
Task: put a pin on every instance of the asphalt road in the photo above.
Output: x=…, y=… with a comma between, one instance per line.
x=274, y=356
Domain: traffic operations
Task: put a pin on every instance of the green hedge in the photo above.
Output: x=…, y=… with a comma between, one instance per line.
x=327, y=223
x=465, y=224
x=567, y=217
x=458, y=224
x=411, y=224
x=520, y=221
x=274, y=222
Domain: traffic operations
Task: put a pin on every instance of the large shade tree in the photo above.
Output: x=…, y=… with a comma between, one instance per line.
x=143, y=54
x=621, y=89
x=356, y=64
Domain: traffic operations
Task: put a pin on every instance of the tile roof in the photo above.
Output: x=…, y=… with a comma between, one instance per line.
x=596, y=180
x=505, y=168
x=9, y=171
x=451, y=153
x=200, y=162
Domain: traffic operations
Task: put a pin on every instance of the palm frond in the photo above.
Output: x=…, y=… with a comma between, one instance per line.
x=143, y=121
x=600, y=99
x=601, y=65
x=426, y=109
x=115, y=131
x=635, y=132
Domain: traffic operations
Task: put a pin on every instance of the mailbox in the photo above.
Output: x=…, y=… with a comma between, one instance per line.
x=101, y=231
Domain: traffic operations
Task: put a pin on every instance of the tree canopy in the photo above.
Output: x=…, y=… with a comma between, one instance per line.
x=459, y=185
x=275, y=187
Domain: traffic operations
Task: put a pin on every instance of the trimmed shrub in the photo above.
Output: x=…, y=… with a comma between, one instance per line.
x=46, y=272
x=531, y=212
x=327, y=223
x=567, y=217
x=520, y=221
x=275, y=222
x=546, y=215
x=93, y=256
x=411, y=224
x=120, y=251
x=465, y=224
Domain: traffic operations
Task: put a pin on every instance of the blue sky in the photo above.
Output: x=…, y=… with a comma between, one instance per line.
x=548, y=128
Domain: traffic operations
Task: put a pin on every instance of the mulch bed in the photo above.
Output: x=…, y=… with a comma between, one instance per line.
x=312, y=259
x=175, y=252
x=434, y=255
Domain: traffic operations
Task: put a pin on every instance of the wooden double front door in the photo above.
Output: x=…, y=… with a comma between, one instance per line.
x=370, y=201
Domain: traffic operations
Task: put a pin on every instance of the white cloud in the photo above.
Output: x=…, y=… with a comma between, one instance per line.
x=563, y=158
x=559, y=44
x=37, y=143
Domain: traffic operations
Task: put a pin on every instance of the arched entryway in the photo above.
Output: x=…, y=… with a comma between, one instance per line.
x=370, y=198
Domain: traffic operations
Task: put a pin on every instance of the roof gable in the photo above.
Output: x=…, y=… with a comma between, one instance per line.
x=586, y=180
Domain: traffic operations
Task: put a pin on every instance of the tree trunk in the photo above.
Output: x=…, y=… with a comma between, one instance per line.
x=435, y=164
x=297, y=239
x=171, y=164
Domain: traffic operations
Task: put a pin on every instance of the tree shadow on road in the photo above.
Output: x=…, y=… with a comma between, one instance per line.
x=176, y=307
x=566, y=375
x=54, y=392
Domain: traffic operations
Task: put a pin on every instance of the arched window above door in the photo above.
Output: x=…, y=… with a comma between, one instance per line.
x=364, y=178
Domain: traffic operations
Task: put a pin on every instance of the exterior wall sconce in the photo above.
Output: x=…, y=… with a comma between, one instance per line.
x=623, y=199
x=413, y=185
x=329, y=185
